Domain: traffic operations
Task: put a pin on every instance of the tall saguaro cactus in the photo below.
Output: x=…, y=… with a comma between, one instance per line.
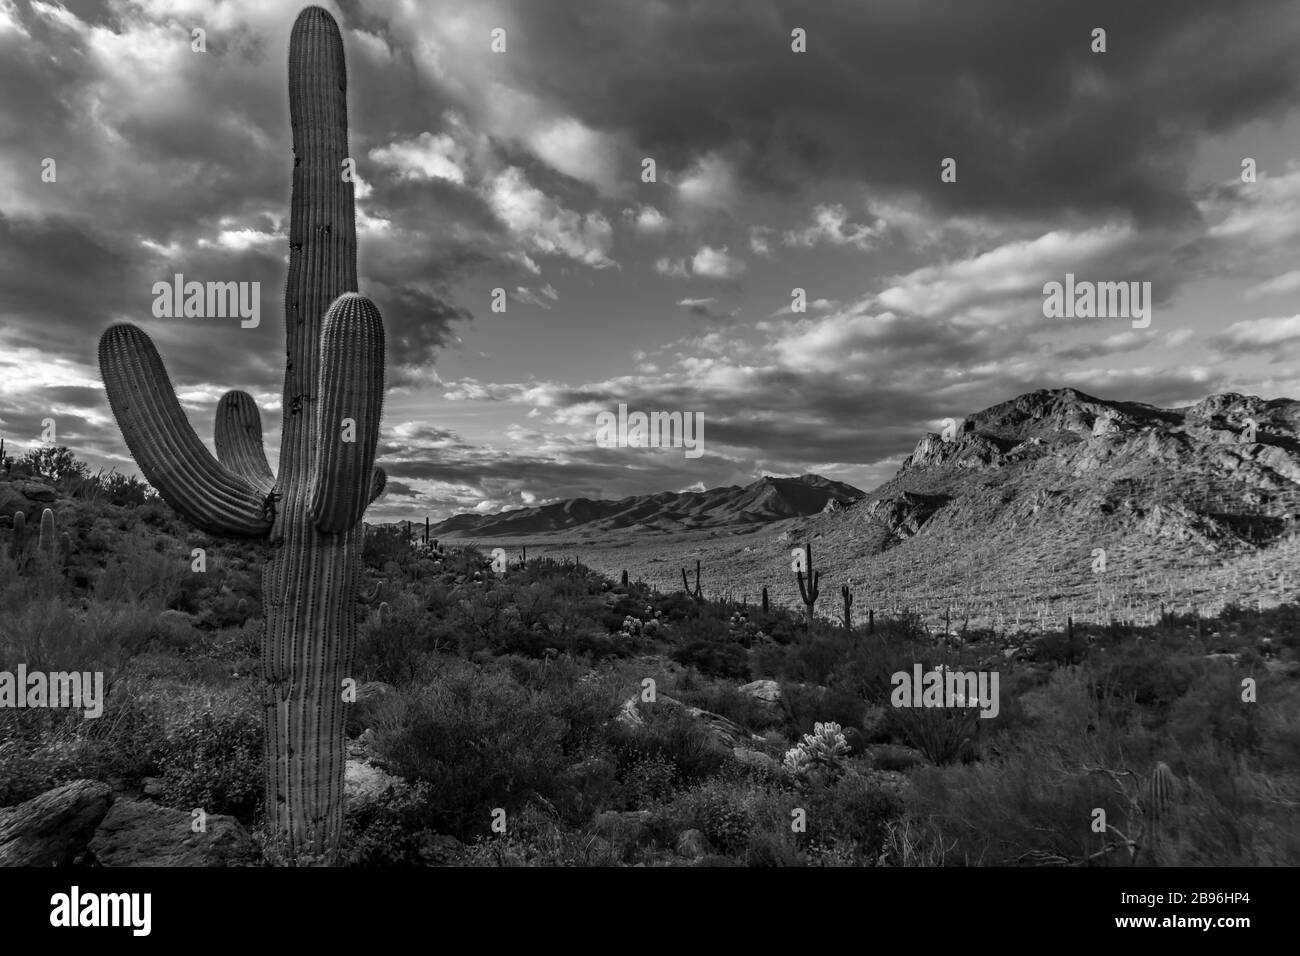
x=309, y=512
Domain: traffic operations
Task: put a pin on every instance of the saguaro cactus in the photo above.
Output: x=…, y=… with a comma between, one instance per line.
x=310, y=512
x=19, y=540
x=847, y=594
x=764, y=600
x=697, y=593
x=45, y=540
x=811, y=593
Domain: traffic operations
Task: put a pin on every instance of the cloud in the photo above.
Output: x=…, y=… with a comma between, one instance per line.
x=673, y=268
x=428, y=156
x=544, y=226
x=716, y=263
x=831, y=225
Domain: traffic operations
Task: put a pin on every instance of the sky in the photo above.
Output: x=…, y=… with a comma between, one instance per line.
x=521, y=168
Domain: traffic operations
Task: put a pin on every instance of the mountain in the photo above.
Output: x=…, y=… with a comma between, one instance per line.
x=1057, y=496
x=768, y=499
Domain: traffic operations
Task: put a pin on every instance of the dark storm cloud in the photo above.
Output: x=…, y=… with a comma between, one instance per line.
x=1010, y=89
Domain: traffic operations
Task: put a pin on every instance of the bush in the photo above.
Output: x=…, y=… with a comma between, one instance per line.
x=215, y=762
x=714, y=659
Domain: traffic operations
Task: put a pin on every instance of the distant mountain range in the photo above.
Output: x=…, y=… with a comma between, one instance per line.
x=768, y=499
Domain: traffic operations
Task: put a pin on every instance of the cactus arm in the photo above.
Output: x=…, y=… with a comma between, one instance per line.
x=378, y=482
x=351, y=387
x=238, y=437
x=164, y=445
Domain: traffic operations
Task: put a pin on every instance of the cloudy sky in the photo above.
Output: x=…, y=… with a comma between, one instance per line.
x=775, y=170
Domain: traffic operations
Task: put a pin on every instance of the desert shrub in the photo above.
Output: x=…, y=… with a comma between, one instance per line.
x=214, y=761
x=729, y=701
x=942, y=734
x=669, y=732
x=479, y=740
x=391, y=830
x=853, y=814
x=1212, y=709
x=714, y=658
x=716, y=810
x=1152, y=677
x=143, y=572
x=807, y=705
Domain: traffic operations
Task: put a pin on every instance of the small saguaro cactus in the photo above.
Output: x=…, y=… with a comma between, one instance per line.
x=848, y=606
x=697, y=593
x=871, y=621
x=764, y=600
x=623, y=579
x=45, y=541
x=383, y=614
x=811, y=592
x=19, y=540
x=309, y=512
x=65, y=549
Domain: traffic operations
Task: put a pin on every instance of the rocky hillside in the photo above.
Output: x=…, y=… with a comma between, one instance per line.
x=1057, y=494
x=768, y=499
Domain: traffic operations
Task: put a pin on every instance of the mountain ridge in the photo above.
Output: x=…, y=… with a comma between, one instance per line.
x=768, y=499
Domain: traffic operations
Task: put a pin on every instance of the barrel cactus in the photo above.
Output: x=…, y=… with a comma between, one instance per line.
x=309, y=511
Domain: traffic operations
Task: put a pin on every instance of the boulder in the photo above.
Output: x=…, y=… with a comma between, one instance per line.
x=724, y=732
x=755, y=758
x=141, y=833
x=54, y=828
x=36, y=491
x=765, y=691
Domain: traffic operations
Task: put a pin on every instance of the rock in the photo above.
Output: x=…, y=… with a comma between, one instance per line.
x=36, y=491
x=140, y=833
x=55, y=827
x=364, y=782
x=628, y=715
x=766, y=691
x=724, y=732
x=177, y=619
x=755, y=758
x=153, y=787
x=692, y=844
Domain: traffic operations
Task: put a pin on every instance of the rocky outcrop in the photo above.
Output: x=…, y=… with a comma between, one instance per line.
x=54, y=828
x=140, y=833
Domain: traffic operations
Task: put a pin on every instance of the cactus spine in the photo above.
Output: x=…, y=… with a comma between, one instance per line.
x=311, y=513
x=811, y=593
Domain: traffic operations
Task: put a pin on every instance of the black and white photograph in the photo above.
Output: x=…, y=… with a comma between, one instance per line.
x=447, y=435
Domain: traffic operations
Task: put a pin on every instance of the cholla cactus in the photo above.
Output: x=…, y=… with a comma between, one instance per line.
x=825, y=749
